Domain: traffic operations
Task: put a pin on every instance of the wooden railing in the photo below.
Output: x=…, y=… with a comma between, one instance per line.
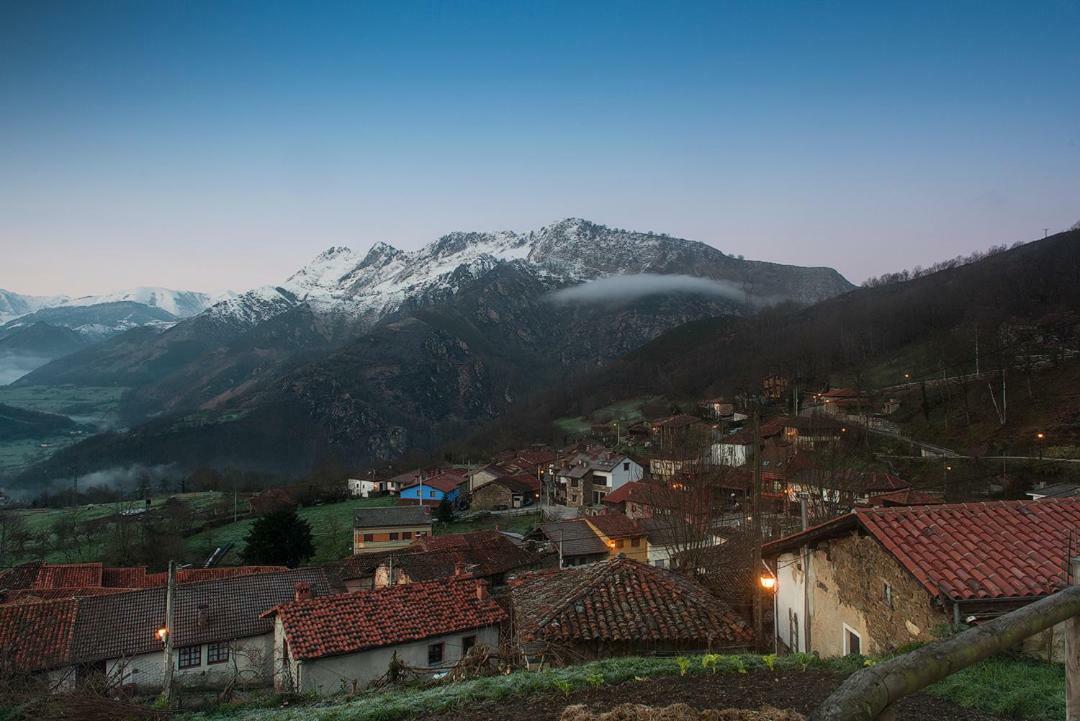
x=872, y=693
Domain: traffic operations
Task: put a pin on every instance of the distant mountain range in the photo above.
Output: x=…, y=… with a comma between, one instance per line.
x=37, y=329
x=368, y=356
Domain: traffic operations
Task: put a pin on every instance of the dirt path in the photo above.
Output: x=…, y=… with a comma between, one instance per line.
x=799, y=691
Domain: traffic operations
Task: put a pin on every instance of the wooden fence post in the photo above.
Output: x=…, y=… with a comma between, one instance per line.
x=1072, y=654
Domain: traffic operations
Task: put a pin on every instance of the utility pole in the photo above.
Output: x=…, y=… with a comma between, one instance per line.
x=170, y=594
x=235, y=503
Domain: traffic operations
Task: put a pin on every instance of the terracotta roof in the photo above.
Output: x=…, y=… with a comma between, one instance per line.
x=388, y=517
x=124, y=624
x=615, y=525
x=482, y=553
x=968, y=551
x=445, y=482
x=517, y=484
x=636, y=491
x=351, y=622
x=576, y=537
x=72, y=577
x=906, y=497
x=36, y=636
x=621, y=600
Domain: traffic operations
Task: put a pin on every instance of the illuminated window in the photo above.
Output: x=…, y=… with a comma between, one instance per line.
x=189, y=657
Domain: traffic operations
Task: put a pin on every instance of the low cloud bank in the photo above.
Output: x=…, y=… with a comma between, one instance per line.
x=622, y=288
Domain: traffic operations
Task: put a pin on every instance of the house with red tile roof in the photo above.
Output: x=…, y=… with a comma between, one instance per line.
x=344, y=642
x=446, y=486
x=621, y=535
x=219, y=635
x=878, y=578
x=47, y=581
x=618, y=607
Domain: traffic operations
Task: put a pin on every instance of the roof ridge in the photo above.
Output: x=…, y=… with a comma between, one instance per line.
x=599, y=570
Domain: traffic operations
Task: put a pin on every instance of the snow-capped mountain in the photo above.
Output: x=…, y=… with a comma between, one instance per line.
x=180, y=303
x=13, y=305
x=371, y=286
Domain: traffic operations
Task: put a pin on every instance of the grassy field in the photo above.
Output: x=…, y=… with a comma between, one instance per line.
x=626, y=412
x=95, y=406
x=331, y=526
x=1013, y=687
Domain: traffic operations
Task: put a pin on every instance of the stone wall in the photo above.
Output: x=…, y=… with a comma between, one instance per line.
x=849, y=588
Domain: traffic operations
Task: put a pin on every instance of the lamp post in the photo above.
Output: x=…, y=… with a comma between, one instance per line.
x=1039, y=438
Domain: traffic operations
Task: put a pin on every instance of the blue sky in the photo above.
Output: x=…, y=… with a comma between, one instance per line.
x=207, y=145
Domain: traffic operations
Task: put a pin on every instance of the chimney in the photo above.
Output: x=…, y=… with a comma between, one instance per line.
x=202, y=616
x=481, y=589
x=459, y=568
x=303, y=591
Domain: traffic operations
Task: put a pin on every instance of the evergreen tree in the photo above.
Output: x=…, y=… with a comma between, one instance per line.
x=280, y=538
x=445, y=512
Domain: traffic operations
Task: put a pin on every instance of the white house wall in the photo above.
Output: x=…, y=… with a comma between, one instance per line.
x=355, y=671
x=250, y=664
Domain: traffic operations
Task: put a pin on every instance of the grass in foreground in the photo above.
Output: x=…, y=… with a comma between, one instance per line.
x=417, y=702
x=1009, y=686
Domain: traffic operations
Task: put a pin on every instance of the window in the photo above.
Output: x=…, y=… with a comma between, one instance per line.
x=189, y=657
x=660, y=563
x=369, y=537
x=626, y=466
x=394, y=536
x=635, y=542
x=406, y=535
x=852, y=642
x=217, y=653
x=467, y=643
x=434, y=654
x=886, y=593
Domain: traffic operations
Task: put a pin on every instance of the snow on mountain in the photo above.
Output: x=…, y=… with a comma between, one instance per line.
x=180, y=303
x=368, y=287
x=13, y=305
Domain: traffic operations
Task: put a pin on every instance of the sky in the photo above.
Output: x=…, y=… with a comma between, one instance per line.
x=213, y=145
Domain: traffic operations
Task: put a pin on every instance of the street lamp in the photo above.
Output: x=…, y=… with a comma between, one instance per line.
x=1040, y=437
x=768, y=581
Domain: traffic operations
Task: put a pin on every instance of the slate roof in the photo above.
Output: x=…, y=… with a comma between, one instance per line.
x=621, y=600
x=576, y=537
x=124, y=624
x=36, y=636
x=996, y=550
x=390, y=517
x=1056, y=490
x=481, y=554
x=352, y=622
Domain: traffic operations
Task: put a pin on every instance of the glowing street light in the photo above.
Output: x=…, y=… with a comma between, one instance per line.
x=768, y=581
x=163, y=634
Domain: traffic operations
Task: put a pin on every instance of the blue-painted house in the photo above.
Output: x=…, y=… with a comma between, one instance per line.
x=444, y=486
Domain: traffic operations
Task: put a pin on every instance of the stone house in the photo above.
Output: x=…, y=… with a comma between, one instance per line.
x=879, y=578
x=385, y=529
x=344, y=642
x=507, y=492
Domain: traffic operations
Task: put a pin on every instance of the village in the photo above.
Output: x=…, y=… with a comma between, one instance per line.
x=716, y=529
